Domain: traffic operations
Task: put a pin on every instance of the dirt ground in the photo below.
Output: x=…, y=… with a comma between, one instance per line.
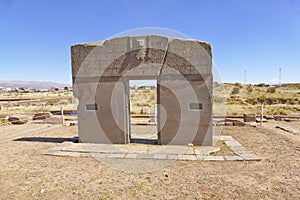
x=25, y=173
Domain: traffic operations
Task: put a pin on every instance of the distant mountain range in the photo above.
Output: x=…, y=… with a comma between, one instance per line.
x=32, y=84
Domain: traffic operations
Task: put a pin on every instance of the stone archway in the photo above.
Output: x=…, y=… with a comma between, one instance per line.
x=183, y=72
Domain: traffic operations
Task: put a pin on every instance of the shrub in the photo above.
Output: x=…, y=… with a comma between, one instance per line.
x=235, y=90
x=282, y=112
x=252, y=101
x=238, y=85
x=218, y=99
x=261, y=98
x=249, y=88
x=271, y=90
x=282, y=100
x=269, y=101
x=142, y=111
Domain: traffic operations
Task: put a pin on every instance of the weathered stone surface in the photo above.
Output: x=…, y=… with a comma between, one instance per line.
x=233, y=158
x=116, y=155
x=172, y=157
x=269, y=117
x=288, y=130
x=287, y=119
x=160, y=156
x=131, y=155
x=145, y=156
x=187, y=157
x=213, y=158
x=232, y=143
x=18, y=119
x=228, y=123
x=249, y=117
x=226, y=137
x=258, y=120
x=42, y=115
x=183, y=68
x=250, y=157
x=207, y=150
x=238, y=123
x=157, y=152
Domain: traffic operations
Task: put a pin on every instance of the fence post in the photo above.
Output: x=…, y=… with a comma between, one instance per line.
x=62, y=116
x=261, y=113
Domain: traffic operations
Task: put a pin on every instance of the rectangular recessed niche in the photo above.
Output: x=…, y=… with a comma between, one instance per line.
x=91, y=107
x=196, y=106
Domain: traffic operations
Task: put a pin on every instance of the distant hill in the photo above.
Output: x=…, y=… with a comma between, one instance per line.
x=32, y=84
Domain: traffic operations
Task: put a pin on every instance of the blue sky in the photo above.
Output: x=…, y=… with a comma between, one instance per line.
x=253, y=35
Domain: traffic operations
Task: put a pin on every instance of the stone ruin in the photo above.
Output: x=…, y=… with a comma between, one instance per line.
x=183, y=69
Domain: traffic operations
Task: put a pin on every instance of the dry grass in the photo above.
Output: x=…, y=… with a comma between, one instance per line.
x=27, y=103
x=28, y=174
x=284, y=101
x=142, y=101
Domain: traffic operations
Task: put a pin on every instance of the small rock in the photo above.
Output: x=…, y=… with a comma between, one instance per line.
x=269, y=117
x=2, y=116
x=220, y=124
x=238, y=123
x=228, y=123
x=258, y=120
x=42, y=191
x=18, y=119
x=249, y=117
x=42, y=115
x=148, y=178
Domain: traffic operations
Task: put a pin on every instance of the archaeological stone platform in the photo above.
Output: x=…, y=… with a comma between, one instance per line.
x=101, y=73
x=161, y=152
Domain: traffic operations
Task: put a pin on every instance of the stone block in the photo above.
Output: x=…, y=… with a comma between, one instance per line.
x=249, y=117
x=233, y=158
x=213, y=158
x=42, y=115
x=18, y=119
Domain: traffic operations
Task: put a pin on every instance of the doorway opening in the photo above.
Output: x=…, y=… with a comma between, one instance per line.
x=143, y=111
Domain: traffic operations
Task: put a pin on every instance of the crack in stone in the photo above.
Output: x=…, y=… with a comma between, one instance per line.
x=164, y=60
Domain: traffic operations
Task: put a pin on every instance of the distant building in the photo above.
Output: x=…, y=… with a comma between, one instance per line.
x=9, y=89
x=54, y=89
x=68, y=89
x=20, y=90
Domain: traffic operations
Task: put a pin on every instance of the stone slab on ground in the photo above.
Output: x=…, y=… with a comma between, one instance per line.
x=187, y=157
x=18, y=119
x=213, y=158
x=249, y=157
x=233, y=158
x=156, y=152
x=287, y=129
x=232, y=143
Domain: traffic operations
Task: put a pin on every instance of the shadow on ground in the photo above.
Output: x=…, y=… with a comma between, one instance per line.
x=43, y=139
x=142, y=141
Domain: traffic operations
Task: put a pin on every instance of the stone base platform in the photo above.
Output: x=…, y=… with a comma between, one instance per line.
x=159, y=152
